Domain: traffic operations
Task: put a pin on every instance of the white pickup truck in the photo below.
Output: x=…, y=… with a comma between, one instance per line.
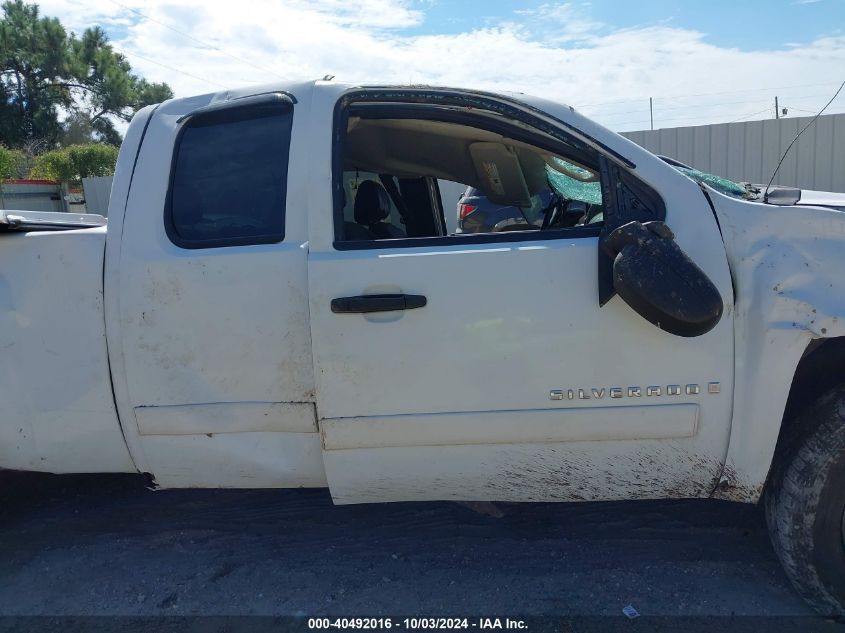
x=277, y=302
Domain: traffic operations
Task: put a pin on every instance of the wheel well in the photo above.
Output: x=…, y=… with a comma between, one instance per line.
x=821, y=368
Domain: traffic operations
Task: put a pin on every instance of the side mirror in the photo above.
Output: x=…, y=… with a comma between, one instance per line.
x=660, y=282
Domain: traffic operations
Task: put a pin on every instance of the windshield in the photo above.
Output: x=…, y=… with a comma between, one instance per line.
x=586, y=187
x=722, y=185
x=588, y=190
x=582, y=185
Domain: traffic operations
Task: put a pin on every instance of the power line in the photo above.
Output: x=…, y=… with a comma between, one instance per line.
x=152, y=61
x=607, y=119
x=788, y=107
x=721, y=103
x=684, y=107
x=697, y=117
x=797, y=136
x=706, y=94
x=749, y=115
x=709, y=105
x=804, y=98
x=643, y=124
x=197, y=40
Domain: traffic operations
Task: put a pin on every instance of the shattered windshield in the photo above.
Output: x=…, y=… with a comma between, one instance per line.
x=722, y=185
x=582, y=185
x=573, y=182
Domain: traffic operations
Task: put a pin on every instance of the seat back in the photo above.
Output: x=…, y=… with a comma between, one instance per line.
x=372, y=206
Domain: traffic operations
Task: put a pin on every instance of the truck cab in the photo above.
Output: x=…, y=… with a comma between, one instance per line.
x=250, y=217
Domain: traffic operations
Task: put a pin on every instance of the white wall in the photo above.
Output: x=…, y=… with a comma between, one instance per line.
x=749, y=151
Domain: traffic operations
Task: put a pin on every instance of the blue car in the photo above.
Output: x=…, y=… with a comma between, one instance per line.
x=477, y=214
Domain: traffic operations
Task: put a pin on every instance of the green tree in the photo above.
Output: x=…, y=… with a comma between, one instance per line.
x=75, y=162
x=34, y=74
x=12, y=163
x=46, y=70
x=111, y=91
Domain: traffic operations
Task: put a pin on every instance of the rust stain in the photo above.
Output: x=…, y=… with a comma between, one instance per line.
x=729, y=487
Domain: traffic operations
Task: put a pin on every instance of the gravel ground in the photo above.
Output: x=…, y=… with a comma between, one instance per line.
x=105, y=545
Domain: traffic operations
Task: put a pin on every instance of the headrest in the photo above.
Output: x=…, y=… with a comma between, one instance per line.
x=372, y=204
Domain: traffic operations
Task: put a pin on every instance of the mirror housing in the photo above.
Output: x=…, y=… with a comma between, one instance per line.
x=660, y=282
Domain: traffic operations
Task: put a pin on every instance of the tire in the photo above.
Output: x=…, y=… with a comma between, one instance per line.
x=805, y=505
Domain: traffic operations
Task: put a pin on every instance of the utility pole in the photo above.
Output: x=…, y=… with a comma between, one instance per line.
x=651, y=111
x=777, y=110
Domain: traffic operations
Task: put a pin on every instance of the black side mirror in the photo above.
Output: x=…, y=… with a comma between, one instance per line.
x=660, y=282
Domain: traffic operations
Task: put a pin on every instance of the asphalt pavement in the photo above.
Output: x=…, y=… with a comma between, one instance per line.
x=107, y=545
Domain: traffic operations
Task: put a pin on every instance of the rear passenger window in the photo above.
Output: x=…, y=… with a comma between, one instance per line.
x=229, y=179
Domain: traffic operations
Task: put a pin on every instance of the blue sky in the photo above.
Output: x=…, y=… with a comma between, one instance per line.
x=702, y=62
x=743, y=24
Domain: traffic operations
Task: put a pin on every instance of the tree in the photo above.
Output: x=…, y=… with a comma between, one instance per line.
x=111, y=90
x=75, y=162
x=46, y=71
x=12, y=163
x=34, y=74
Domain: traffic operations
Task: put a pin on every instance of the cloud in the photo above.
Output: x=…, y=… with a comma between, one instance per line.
x=560, y=23
x=555, y=50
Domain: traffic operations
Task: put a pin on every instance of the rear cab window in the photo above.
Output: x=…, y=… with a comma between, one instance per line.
x=229, y=175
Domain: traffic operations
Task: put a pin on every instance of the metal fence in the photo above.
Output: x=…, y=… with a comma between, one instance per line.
x=32, y=195
x=97, y=191
x=749, y=151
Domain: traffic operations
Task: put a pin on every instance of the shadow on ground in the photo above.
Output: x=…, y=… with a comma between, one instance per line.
x=99, y=545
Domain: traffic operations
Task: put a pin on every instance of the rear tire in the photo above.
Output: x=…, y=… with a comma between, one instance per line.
x=805, y=505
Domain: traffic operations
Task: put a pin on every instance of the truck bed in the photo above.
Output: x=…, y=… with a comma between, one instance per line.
x=57, y=411
x=47, y=220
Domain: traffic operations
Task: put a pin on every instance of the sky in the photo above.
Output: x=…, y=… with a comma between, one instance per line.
x=701, y=62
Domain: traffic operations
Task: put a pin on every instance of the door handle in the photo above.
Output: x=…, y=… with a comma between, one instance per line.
x=376, y=303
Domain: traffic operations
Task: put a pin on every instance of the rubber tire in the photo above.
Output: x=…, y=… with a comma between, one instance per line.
x=805, y=502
